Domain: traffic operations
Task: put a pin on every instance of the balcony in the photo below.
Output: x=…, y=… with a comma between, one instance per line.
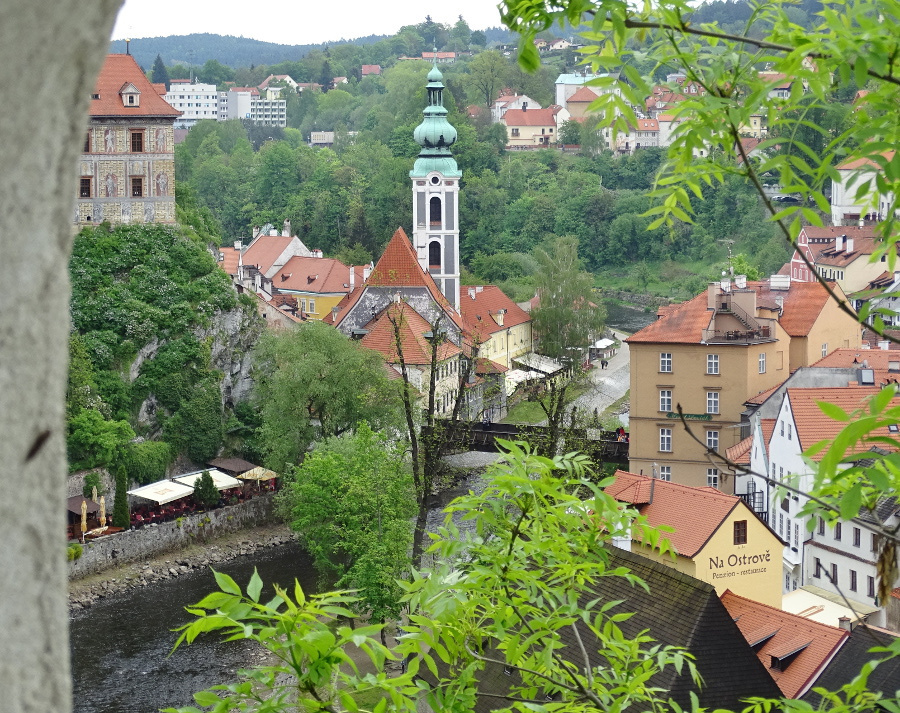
x=764, y=333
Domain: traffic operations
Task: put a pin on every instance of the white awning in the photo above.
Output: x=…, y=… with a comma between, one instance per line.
x=514, y=377
x=220, y=479
x=603, y=343
x=825, y=607
x=165, y=491
x=539, y=362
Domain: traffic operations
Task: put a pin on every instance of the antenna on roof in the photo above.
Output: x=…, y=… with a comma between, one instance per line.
x=127, y=48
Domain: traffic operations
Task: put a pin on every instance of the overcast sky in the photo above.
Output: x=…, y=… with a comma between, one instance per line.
x=294, y=23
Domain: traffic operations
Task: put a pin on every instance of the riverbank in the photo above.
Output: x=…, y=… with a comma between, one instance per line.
x=85, y=591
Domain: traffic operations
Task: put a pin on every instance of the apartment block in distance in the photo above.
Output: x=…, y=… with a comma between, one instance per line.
x=708, y=355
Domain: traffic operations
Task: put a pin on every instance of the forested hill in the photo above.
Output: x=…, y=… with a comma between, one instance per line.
x=238, y=52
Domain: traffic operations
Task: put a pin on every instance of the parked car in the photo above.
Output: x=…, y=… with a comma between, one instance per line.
x=786, y=199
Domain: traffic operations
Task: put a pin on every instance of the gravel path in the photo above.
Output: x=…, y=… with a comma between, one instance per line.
x=610, y=384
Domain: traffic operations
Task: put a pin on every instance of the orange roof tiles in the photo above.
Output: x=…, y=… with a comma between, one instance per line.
x=740, y=452
x=647, y=125
x=119, y=70
x=877, y=359
x=864, y=162
x=763, y=395
x=767, y=425
x=230, y=258
x=584, y=94
x=679, y=324
x=321, y=275
x=813, y=426
x=813, y=644
x=531, y=117
x=265, y=250
x=694, y=513
x=803, y=303
x=412, y=327
x=479, y=307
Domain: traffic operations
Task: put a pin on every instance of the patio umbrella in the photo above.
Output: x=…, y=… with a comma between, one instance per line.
x=83, y=518
x=94, y=493
x=102, y=511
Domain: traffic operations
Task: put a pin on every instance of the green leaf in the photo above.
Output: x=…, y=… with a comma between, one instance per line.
x=255, y=586
x=226, y=583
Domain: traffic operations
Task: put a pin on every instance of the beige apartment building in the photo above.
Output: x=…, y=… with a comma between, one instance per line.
x=708, y=356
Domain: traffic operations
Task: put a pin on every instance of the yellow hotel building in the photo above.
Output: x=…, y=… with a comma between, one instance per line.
x=716, y=537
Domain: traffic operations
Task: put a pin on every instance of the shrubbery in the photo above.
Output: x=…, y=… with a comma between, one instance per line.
x=147, y=462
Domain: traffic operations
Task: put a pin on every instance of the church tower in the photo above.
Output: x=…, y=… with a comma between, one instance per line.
x=435, y=183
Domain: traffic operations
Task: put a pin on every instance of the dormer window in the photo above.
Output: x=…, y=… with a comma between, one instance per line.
x=130, y=94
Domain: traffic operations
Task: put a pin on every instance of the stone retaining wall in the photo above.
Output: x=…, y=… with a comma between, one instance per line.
x=136, y=545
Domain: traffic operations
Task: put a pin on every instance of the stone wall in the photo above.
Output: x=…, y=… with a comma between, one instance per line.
x=136, y=545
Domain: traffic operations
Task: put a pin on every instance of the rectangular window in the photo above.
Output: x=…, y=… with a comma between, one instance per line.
x=870, y=582
x=665, y=362
x=137, y=187
x=796, y=535
x=84, y=190
x=712, y=440
x=87, y=142
x=874, y=542
x=137, y=142
x=825, y=349
x=712, y=477
x=857, y=536
x=665, y=439
x=665, y=472
x=852, y=580
x=312, y=306
x=781, y=524
x=781, y=425
x=515, y=132
x=762, y=363
x=790, y=428
x=665, y=400
x=740, y=532
x=712, y=363
x=821, y=526
x=837, y=531
x=834, y=577
x=818, y=571
x=712, y=402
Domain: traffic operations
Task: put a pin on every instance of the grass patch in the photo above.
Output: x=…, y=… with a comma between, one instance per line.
x=531, y=413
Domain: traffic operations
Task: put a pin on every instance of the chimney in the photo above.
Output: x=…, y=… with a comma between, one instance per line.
x=884, y=345
x=740, y=281
x=844, y=623
x=367, y=270
x=524, y=106
x=849, y=245
x=839, y=243
x=273, y=233
x=238, y=245
x=472, y=292
x=352, y=278
x=334, y=313
x=286, y=229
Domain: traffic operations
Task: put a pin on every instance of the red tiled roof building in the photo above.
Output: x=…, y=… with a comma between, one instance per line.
x=127, y=165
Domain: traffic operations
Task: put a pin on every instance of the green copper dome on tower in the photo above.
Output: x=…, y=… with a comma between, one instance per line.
x=435, y=134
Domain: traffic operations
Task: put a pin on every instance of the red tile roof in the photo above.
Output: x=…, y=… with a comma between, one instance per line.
x=584, y=94
x=694, y=513
x=818, y=643
x=321, y=275
x=413, y=327
x=368, y=69
x=399, y=266
x=740, y=452
x=480, y=306
x=677, y=324
x=229, y=261
x=265, y=250
x=877, y=359
x=814, y=426
x=531, y=117
x=647, y=125
x=803, y=303
x=864, y=162
x=119, y=70
x=768, y=428
x=763, y=395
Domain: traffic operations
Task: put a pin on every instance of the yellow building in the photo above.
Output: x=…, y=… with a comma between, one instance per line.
x=716, y=537
x=318, y=283
x=709, y=355
x=530, y=128
x=127, y=167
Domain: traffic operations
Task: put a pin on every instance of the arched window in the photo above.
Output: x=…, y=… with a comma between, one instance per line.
x=434, y=215
x=434, y=254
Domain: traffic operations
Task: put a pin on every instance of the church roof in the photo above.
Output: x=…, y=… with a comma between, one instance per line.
x=412, y=328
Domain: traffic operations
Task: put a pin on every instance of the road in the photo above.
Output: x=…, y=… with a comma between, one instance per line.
x=610, y=384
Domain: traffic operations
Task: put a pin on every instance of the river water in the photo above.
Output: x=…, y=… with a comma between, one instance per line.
x=627, y=319
x=120, y=645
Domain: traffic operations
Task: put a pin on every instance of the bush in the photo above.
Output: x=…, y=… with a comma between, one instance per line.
x=121, y=512
x=147, y=462
x=91, y=481
x=74, y=551
x=205, y=490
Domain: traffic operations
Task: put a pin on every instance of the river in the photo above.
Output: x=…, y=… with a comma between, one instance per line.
x=627, y=319
x=120, y=645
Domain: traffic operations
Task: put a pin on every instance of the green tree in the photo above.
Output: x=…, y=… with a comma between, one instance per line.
x=565, y=322
x=570, y=132
x=352, y=503
x=505, y=590
x=205, y=490
x=121, y=512
x=214, y=72
x=94, y=441
x=313, y=383
x=160, y=74
x=488, y=74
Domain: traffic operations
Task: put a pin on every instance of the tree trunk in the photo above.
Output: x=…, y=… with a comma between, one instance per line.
x=63, y=43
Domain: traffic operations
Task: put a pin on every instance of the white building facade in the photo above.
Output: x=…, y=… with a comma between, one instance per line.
x=195, y=102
